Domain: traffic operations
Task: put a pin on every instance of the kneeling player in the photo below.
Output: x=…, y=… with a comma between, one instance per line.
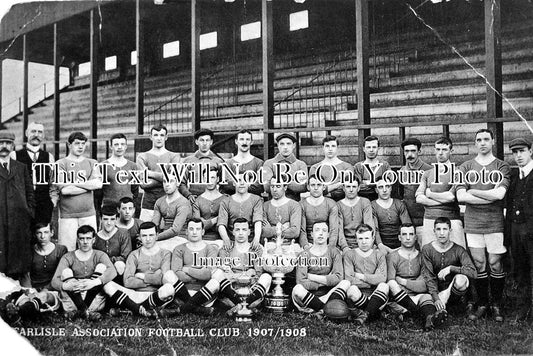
x=192, y=270
x=80, y=276
x=243, y=259
x=447, y=267
x=319, y=276
x=366, y=269
x=115, y=242
x=406, y=282
x=143, y=277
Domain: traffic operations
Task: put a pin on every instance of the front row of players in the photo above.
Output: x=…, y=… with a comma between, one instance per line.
x=196, y=274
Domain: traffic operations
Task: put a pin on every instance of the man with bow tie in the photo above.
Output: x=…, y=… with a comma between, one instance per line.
x=31, y=153
x=16, y=211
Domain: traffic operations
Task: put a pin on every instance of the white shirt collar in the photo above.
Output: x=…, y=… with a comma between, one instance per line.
x=527, y=168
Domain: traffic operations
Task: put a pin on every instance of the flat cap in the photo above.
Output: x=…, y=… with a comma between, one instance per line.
x=7, y=136
x=519, y=142
x=286, y=135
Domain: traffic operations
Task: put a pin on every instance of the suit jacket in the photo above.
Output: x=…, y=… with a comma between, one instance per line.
x=16, y=213
x=527, y=209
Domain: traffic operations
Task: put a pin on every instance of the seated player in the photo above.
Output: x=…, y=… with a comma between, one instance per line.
x=447, y=267
x=389, y=214
x=206, y=208
x=46, y=256
x=126, y=220
x=249, y=256
x=115, y=242
x=81, y=275
x=353, y=211
x=319, y=280
x=366, y=269
x=281, y=213
x=407, y=286
x=143, y=278
x=171, y=213
x=242, y=204
x=315, y=208
x=192, y=273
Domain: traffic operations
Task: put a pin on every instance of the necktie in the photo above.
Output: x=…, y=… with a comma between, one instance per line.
x=521, y=174
x=4, y=164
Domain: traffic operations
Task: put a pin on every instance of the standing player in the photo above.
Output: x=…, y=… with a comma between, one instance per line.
x=126, y=220
x=484, y=225
x=366, y=269
x=112, y=189
x=371, y=169
x=286, y=145
x=437, y=195
x=242, y=204
x=143, y=277
x=247, y=162
x=413, y=169
x=189, y=187
x=353, y=211
x=318, y=283
x=171, y=213
x=75, y=195
x=406, y=282
x=330, y=169
x=81, y=275
x=149, y=161
x=447, y=267
x=31, y=153
x=520, y=220
x=115, y=242
x=316, y=208
x=389, y=214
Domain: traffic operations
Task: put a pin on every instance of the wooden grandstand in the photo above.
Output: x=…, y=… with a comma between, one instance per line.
x=413, y=84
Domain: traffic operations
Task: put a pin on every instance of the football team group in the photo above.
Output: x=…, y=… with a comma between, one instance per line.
x=371, y=243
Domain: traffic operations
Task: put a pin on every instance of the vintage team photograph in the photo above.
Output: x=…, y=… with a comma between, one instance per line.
x=266, y=177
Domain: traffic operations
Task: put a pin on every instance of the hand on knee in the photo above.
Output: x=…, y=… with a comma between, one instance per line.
x=299, y=291
x=353, y=293
x=120, y=267
x=170, y=277
x=394, y=287
x=100, y=268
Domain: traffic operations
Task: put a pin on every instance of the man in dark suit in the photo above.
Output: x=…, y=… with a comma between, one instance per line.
x=520, y=221
x=16, y=211
x=31, y=153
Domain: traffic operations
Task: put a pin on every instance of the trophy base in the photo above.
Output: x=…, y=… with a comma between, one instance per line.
x=277, y=304
x=244, y=315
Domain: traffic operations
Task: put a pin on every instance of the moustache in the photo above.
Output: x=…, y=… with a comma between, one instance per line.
x=4, y=150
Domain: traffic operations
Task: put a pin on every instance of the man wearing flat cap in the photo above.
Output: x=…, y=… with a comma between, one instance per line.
x=520, y=220
x=16, y=211
x=295, y=176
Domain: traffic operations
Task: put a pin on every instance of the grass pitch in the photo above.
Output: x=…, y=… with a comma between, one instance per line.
x=269, y=334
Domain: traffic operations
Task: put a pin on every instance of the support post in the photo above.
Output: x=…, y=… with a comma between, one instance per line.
x=363, y=87
x=195, y=64
x=56, y=92
x=139, y=68
x=268, y=78
x=94, y=84
x=25, y=60
x=493, y=63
